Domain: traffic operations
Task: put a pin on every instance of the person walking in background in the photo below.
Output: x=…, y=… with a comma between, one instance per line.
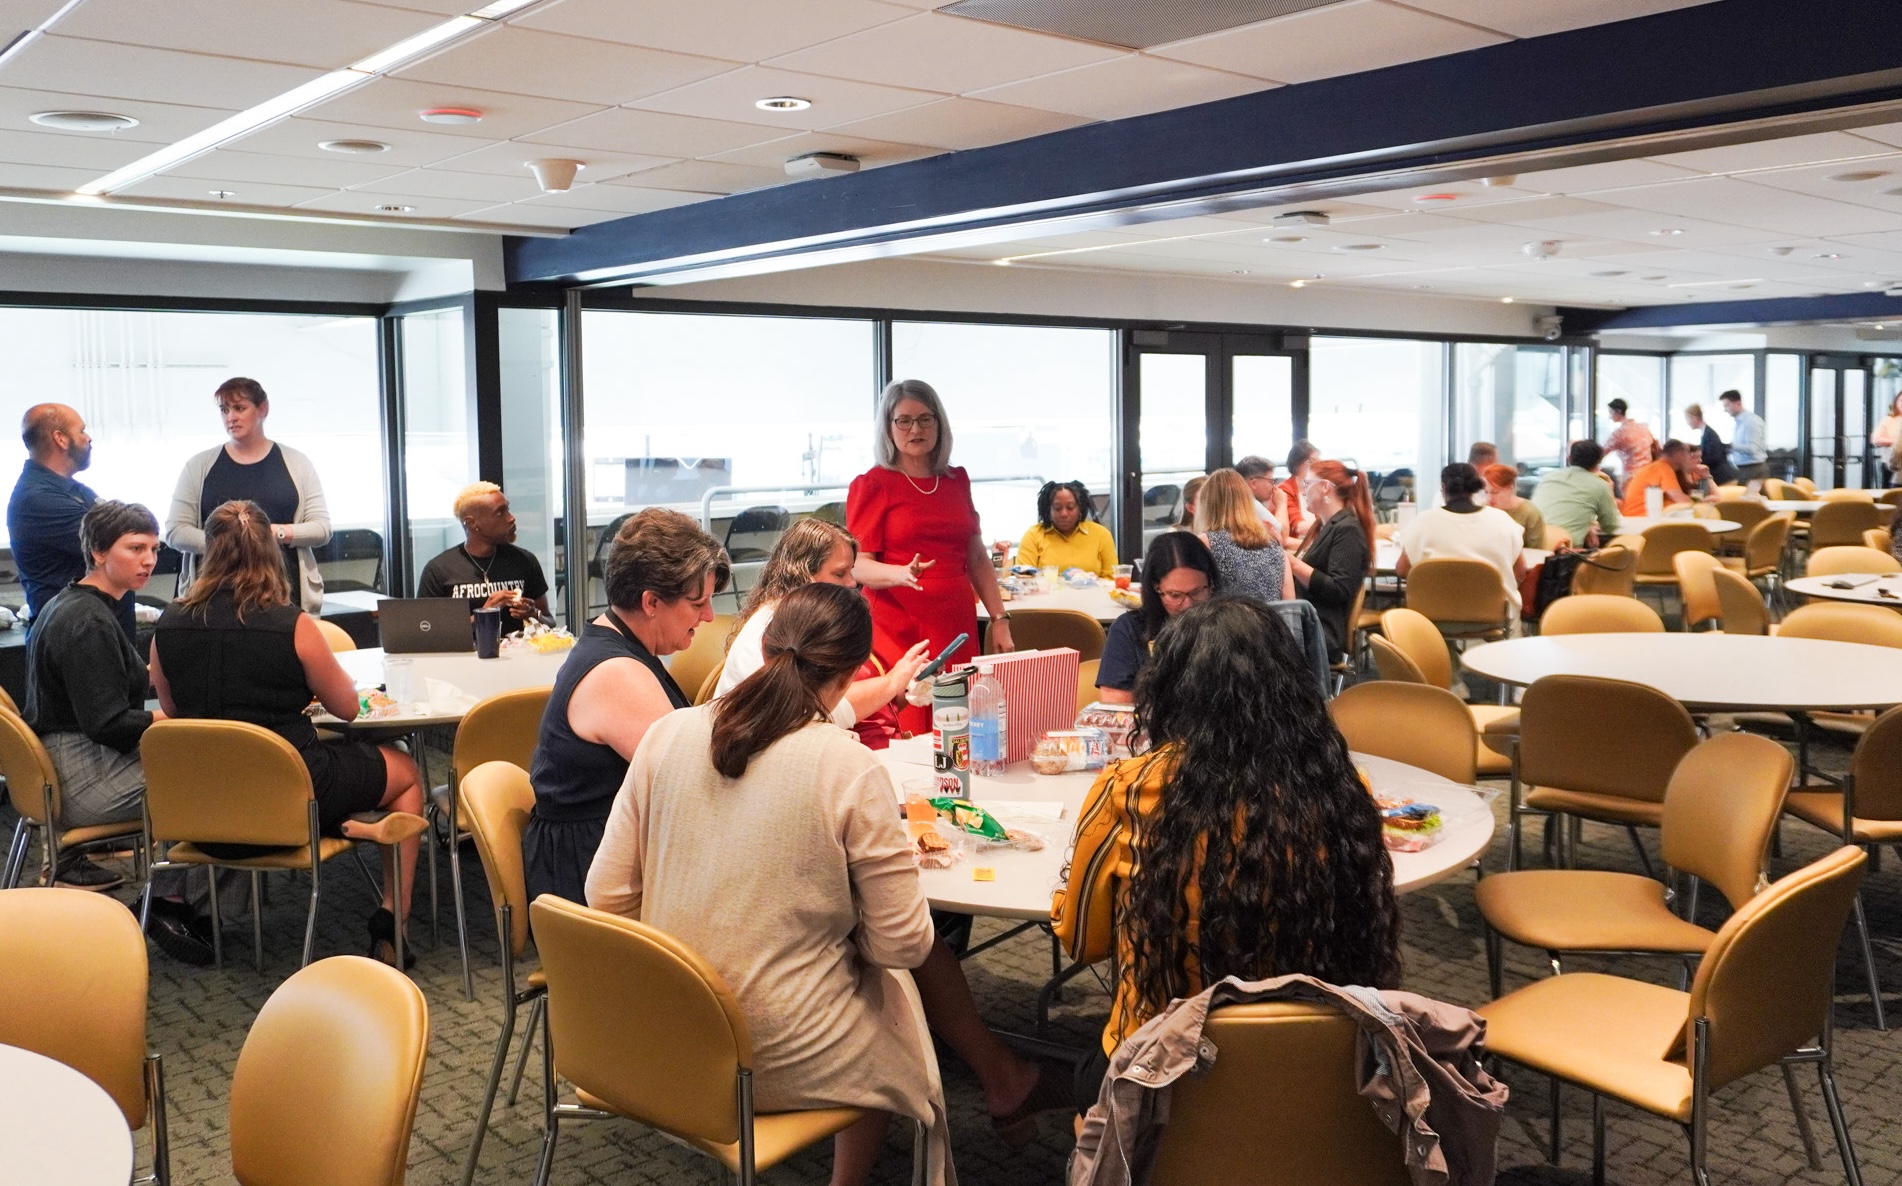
x=47, y=504
x=1749, y=442
x=1630, y=440
x=1885, y=441
x=1710, y=448
x=487, y=568
x=1066, y=534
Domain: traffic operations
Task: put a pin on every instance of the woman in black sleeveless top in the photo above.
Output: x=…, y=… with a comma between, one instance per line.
x=661, y=574
x=236, y=648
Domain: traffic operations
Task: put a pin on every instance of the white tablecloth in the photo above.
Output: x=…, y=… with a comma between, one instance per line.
x=476, y=679
x=58, y=1126
x=1869, y=588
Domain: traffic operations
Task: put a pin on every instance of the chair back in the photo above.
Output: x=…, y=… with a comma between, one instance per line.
x=1086, y=683
x=1763, y=548
x=1838, y=523
x=709, y=685
x=1392, y=663
x=1556, y=538
x=1613, y=570
x=1698, y=590
x=7, y=702
x=326, y=1086
x=1843, y=621
x=1414, y=636
x=496, y=800
x=1848, y=494
x=1877, y=768
x=1746, y=513
x=226, y=782
x=1720, y=810
x=1563, y=723
x=1740, y=607
x=1806, y=485
x=500, y=728
x=1781, y=491
x=753, y=532
x=1294, y=1062
x=1665, y=540
x=1879, y=538
x=1600, y=613
x=706, y=652
x=1889, y=497
x=1045, y=629
x=1413, y=723
x=1842, y=558
x=639, y=1021
x=1766, y=983
x=28, y=769
x=335, y=637
x=72, y=987
x=1454, y=589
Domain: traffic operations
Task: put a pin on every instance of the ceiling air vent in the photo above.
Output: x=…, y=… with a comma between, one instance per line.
x=1133, y=24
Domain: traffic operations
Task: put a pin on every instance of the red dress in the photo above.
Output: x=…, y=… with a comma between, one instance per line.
x=894, y=518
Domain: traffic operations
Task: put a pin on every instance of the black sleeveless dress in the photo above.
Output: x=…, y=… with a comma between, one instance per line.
x=575, y=780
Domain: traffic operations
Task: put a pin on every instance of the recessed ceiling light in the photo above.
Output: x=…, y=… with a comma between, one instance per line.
x=451, y=115
x=1827, y=255
x=83, y=121
x=1297, y=284
x=224, y=193
x=1651, y=277
x=360, y=146
x=1505, y=300
x=1668, y=231
x=1743, y=285
x=1608, y=274
x=395, y=209
x=1436, y=198
x=1859, y=175
x=1781, y=250
x=1286, y=239
x=1002, y=263
x=1360, y=247
x=1239, y=272
x=783, y=103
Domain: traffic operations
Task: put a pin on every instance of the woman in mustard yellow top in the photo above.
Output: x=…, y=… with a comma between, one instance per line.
x=1242, y=843
x=1065, y=535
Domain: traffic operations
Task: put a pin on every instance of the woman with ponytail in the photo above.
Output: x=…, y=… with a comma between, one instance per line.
x=1339, y=552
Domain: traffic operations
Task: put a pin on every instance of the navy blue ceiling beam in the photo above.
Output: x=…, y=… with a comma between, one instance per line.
x=1854, y=306
x=1704, y=66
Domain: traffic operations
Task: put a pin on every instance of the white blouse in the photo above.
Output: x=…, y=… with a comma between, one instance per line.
x=746, y=656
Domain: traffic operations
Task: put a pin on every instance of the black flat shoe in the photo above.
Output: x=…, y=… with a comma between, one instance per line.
x=171, y=926
x=383, y=940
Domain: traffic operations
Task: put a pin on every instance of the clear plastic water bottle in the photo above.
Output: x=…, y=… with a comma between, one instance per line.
x=990, y=724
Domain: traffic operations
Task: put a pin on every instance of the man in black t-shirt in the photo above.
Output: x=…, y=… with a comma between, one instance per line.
x=487, y=567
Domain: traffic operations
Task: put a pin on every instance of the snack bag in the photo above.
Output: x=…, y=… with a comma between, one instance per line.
x=1117, y=721
x=1406, y=826
x=1061, y=751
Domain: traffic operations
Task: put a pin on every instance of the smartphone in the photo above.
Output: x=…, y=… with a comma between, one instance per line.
x=936, y=665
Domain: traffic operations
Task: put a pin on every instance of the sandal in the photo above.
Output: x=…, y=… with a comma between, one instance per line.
x=383, y=940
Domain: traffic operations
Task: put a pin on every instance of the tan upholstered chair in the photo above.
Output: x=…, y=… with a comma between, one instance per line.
x=1847, y=494
x=708, y=685
x=1563, y=766
x=326, y=1086
x=1880, y=539
x=1839, y=524
x=1044, y=629
x=1294, y=1061
x=1732, y=490
x=707, y=651
x=33, y=786
x=1612, y=571
x=73, y=988
x=1600, y=613
x=1410, y=647
x=1867, y=811
x=1746, y=513
x=1663, y=541
x=1086, y=683
x=1351, y=655
x=6, y=702
x=335, y=636
x=1413, y=723
x=227, y=782
x=1740, y=607
x=1762, y=557
x=1844, y=621
x=1463, y=598
x=644, y=1028
x=1556, y=538
x=1762, y=997
x=1890, y=497
x=496, y=800
x=1835, y=561
x=1807, y=486
x=1720, y=809
x=1778, y=490
x=1697, y=587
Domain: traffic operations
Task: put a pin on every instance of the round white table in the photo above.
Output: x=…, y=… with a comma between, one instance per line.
x=1708, y=672
x=1048, y=805
x=1637, y=524
x=1866, y=588
x=56, y=1125
x=471, y=678
x=1797, y=506
x=1094, y=601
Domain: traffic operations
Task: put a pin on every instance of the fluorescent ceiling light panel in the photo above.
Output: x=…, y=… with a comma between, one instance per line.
x=308, y=95
x=18, y=45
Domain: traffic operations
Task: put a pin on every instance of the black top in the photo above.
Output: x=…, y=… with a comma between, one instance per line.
x=43, y=527
x=267, y=483
x=576, y=779
x=1716, y=457
x=456, y=573
x=222, y=668
x=1338, y=555
x=1124, y=653
x=82, y=675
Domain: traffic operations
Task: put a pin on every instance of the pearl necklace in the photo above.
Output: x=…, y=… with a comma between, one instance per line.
x=936, y=478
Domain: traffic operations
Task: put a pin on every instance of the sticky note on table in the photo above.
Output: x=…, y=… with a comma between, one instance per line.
x=983, y=874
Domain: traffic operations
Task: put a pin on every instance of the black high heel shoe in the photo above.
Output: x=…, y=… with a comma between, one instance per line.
x=383, y=940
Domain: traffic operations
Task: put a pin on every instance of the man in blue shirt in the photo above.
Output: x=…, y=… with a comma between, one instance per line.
x=47, y=505
x=1749, y=447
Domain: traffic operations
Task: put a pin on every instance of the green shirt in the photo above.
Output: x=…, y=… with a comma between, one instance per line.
x=1572, y=499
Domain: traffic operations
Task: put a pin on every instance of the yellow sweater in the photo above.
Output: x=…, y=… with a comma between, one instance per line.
x=1090, y=547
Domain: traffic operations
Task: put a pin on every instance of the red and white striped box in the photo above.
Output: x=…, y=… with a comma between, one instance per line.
x=1039, y=693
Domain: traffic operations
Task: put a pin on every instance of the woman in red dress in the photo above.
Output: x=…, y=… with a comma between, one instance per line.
x=921, y=556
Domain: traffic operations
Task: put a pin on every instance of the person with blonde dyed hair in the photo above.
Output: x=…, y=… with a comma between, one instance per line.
x=487, y=568
x=1248, y=558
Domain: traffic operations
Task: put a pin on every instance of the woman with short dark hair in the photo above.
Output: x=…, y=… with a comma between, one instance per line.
x=661, y=573
x=1178, y=572
x=1066, y=534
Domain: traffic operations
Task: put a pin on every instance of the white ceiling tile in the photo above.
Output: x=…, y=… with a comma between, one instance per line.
x=1326, y=42
x=324, y=33
x=625, y=199
x=398, y=103
x=1535, y=18
x=353, y=201
x=1336, y=207
x=1534, y=212
x=557, y=67
x=526, y=214
x=510, y=158
x=1587, y=179
x=743, y=30
x=53, y=177
x=75, y=150
x=1745, y=203
x=193, y=189
x=161, y=75
x=1134, y=84
x=159, y=123
x=653, y=133
x=707, y=177
x=1467, y=195
x=16, y=15
x=732, y=96
x=409, y=147
x=1890, y=134
x=1816, y=179
x=773, y=154
x=472, y=187
x=1774, y=154
x=337, y=172
x=960, y=124
x=949, y=54
x=439, y=7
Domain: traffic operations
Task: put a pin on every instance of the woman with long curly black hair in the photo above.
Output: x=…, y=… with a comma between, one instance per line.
x=1241, y=842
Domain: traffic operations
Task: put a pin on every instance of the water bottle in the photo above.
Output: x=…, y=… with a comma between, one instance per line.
x=990, y=724
x=951, y=734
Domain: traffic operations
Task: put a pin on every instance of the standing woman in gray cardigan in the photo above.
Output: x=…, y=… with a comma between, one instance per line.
x=250, y=467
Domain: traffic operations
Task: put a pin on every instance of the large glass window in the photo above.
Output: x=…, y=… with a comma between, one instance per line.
x=532, y=458
x=438, y=456
x=1378, y=403
x=1513, y=396
x=1700, y=378
x=1029, y=404
x=1638, y=379
x=1172, y=433
x=1781, y=409
x=1261, y=406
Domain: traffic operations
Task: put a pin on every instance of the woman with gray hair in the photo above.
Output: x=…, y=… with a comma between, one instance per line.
x=921, y=554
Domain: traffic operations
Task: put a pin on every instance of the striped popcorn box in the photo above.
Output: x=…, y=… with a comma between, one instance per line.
x=1039, y=694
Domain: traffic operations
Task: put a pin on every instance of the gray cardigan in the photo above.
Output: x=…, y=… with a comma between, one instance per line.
x=311, y=530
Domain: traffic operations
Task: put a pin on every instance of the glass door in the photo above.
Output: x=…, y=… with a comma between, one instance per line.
x=438, y=446
x=1838, y=422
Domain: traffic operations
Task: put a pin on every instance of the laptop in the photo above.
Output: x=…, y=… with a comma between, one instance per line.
x=424, y=625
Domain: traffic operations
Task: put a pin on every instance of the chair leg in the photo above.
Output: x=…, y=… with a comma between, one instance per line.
x=1803, y=1130
x=16, y=855
x=528, y=1043
x=1852, y=1171
x=920, y=1154
x=1690, y=900
x=1869, y=962
x=1553, y=1155
x=310, y=919
x=1598, y=1139
x=435, y=919
x=395, y=868
x=495, y=1082
x=455, y=888
x=155, y=1113
x=1495, y=974
x=551, y=1121
x=217, y=928
x=1644, y=858
x=257, y=919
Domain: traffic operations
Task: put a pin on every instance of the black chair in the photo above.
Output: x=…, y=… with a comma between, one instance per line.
x=353, y=559
x=753, y=532
x=1161, y=505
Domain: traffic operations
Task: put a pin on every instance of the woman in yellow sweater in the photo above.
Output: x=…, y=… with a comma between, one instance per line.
x=1065, y=535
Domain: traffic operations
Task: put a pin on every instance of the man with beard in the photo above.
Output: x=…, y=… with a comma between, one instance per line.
x=487, y=568
x=47, y=505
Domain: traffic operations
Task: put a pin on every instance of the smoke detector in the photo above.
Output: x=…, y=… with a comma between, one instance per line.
x=555, y=175
x=1542, y=248
x=1302, y=218
x=822, y=164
